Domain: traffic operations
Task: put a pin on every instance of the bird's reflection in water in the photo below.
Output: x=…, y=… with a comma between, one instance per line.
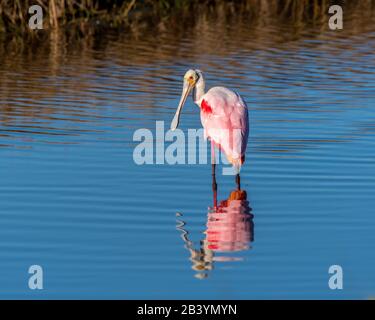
x=229, y=228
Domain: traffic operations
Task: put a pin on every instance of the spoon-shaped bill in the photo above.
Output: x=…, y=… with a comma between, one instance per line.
x=176, y=119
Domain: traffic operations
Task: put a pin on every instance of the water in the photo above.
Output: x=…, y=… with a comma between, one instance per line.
x=73, y=201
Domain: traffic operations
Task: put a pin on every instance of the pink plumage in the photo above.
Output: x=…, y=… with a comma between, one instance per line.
x=224, y=117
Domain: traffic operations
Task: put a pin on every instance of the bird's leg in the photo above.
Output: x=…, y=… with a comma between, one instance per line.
x=214, y=185
x=213, y=163
x=238, y=181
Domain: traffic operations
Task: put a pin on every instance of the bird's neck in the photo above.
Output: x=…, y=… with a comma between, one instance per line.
x=198, y=90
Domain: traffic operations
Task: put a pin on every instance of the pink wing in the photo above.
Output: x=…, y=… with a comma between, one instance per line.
x=224, y=117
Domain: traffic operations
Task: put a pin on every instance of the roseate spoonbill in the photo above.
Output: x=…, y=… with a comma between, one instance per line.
x=224, y=117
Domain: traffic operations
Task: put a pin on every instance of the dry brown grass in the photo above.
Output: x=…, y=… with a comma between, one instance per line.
x=14, y=13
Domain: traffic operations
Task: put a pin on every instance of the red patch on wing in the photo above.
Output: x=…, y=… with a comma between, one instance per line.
x=206, y=107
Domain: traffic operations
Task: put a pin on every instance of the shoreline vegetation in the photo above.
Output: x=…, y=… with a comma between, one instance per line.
x=93, y=23
x=114, y=14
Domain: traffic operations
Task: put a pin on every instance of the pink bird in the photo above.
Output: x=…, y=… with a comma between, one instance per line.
x=224, y=116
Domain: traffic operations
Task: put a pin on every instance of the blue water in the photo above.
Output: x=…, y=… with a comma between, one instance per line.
x=73, y=201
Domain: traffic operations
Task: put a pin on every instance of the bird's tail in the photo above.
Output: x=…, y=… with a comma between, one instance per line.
x=236, y=162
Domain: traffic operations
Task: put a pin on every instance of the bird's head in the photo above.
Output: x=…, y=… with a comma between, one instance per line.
x=191, y=78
